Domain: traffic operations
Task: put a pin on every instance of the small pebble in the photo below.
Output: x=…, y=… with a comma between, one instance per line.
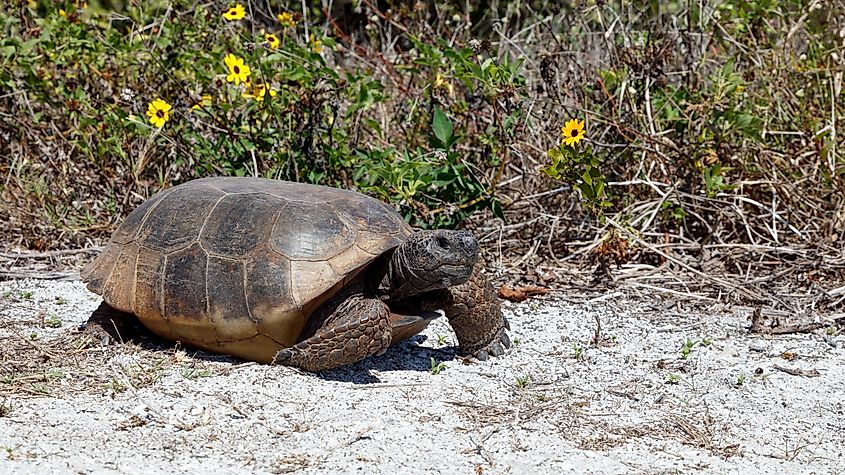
x=758, y=345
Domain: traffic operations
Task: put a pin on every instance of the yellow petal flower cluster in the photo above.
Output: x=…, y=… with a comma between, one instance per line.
x=316, y=45
x=238, y=71
x=204, y=102
x=441, y=83
x=159, y=112
x=573, y=131
x=272, y=41
x=234, y=13
x=286, y=19
x=258, y=91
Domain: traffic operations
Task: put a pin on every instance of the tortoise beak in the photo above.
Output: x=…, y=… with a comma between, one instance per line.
x=456, y=248
x=469, y=244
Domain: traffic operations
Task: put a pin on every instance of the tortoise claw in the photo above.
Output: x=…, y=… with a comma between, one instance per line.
x=284, y=357
x=505, y=339
x=496, y=347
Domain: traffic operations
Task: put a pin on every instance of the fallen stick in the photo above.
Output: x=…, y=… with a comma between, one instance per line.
x=807, y=373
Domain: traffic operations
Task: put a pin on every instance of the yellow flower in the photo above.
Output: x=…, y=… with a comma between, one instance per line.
x=272, y=40
x=286, y=19
x=235, y=13
x=573, y=132
x=238, y=71
x=159, y=112
x=258, y=91
x=62, y=13
x=439, y=82
x=205, y=101
x=316, y=45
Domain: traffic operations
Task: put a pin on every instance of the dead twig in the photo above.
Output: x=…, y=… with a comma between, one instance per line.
x=806, y=373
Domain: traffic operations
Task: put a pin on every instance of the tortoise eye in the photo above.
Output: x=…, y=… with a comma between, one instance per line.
x=443, y=242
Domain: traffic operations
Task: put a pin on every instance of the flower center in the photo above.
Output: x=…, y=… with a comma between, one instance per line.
x=160, y=114
x=574, y=133
x=236, y=69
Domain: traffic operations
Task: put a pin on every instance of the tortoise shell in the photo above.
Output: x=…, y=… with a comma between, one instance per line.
x=237, y=265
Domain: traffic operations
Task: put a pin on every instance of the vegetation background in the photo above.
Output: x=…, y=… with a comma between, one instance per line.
x=712, y=145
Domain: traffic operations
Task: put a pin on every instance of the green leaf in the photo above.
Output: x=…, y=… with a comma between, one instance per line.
x=599, y=187
x=496, y=207
x=586, y=190
x=27, y=46
x=442, y=127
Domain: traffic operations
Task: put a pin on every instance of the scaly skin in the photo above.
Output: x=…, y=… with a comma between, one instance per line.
x=350, y=327
x=475, y=314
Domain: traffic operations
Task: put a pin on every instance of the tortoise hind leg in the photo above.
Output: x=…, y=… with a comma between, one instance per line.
x=349, y=328
x=109, y=325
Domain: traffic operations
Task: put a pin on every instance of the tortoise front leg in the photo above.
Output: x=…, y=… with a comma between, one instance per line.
x=475, y=314
x=346, y=329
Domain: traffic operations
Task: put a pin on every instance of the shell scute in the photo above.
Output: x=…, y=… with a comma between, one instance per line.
x=176, y=222
x=311, y=233
x=227, y=306
x=185, y=284
x=240, y=223
x=120, y=287
x=128, y=229
x=149, y=275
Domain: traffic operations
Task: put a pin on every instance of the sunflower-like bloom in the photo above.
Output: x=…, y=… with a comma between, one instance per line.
x=159, y=112
x=258, y=91
x=238, y=71
x=272, y=40
x=235, y=13
x=573, y=132
x=286, y=19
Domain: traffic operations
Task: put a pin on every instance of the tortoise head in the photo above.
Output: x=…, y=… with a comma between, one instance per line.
x=430, y=260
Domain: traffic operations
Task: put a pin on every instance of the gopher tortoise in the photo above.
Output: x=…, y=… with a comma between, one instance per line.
x=291, y=273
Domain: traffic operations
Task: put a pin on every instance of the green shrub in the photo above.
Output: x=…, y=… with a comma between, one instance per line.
x=95, y=78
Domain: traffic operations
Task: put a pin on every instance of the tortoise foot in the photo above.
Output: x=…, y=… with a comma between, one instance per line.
x=497, y=346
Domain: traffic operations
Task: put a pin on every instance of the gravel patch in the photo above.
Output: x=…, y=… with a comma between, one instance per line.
x=669, y=387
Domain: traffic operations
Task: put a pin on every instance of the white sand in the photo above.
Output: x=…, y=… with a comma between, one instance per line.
x=633, y=405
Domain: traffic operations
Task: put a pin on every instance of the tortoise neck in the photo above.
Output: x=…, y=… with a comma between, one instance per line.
x=399, y=280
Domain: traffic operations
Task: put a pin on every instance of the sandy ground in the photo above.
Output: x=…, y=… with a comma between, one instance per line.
x=639, y=402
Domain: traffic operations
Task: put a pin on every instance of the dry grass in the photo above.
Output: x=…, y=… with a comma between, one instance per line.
x=37, y=362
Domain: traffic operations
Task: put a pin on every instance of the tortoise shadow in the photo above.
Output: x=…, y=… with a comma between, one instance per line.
x=114, y=327
x=407, y=355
